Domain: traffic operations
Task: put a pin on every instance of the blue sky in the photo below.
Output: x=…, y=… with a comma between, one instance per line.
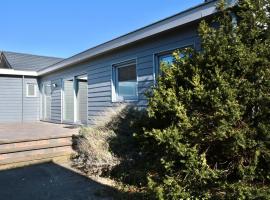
x=65, y=27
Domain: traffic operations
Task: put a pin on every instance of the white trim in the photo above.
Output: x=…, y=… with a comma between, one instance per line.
x=42, y=102
x=62, y=100
x=75, y=100
x=40, y=89
x=115, y=98
x=17, y=72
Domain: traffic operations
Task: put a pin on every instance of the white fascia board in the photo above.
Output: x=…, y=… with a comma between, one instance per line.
x=180, y=19
x=17, y=72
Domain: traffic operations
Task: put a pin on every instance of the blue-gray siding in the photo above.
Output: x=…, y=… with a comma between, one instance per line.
x=10, y=99
x=82, y=95
x=99, y=69
x=56, y=112
x=14, y=105
x=31, y=105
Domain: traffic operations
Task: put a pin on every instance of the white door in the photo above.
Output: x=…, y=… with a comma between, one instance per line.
x=81, y=99
x=47, y=100
x=68, y=101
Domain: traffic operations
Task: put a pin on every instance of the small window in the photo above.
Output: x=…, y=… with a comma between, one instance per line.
x=163, y=59
x=166, y=58
x=125, y=81
x=31, y=90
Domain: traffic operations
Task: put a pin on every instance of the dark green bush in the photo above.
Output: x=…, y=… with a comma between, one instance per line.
x=206, y=133
x=134, y=164
x=211, y=136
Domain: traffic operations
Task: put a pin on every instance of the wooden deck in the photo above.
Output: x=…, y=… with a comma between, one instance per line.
x=26, y=143
x=15, y=132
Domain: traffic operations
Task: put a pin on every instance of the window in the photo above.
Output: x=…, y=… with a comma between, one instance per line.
x=166, y=58
x=31, y=90
x=125, y=81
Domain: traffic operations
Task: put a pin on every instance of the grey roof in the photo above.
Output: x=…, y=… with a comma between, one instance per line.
x=29, y=62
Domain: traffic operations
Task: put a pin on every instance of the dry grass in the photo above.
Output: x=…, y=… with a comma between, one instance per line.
x=94, y=155
x=112, y=132
x=109, y=115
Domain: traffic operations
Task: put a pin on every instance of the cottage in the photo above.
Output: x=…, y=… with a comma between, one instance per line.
x=80, y=89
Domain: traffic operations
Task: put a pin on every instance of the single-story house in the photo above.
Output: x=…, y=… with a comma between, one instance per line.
x=81, y=88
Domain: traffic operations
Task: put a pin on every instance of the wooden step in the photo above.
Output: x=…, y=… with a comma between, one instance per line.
x=34, y=145
x=31, y=155
x=56, y=159
x=22, y=152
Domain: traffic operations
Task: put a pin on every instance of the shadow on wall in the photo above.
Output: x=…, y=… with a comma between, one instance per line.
x=49, y=181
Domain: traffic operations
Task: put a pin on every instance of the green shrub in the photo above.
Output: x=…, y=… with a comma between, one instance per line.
x=211, y=137
x=133, y=168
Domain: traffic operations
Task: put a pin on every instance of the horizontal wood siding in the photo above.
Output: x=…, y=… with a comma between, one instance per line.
x=10, y=99
x=31, y=105
x=99, y=69
x=56, y=105
x=14, y=105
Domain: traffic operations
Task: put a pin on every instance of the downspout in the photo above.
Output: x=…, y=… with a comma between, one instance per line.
x=22, y=99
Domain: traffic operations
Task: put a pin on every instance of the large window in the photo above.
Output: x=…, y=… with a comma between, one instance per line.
x=125, y=81
x=31, y=90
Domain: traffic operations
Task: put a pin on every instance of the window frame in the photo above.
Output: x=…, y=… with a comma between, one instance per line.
x=115, y=90
x=35, y=90
x=157, y=55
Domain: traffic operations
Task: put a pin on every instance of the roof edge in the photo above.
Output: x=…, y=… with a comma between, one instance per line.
x=192, y=14
x=31, y=54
